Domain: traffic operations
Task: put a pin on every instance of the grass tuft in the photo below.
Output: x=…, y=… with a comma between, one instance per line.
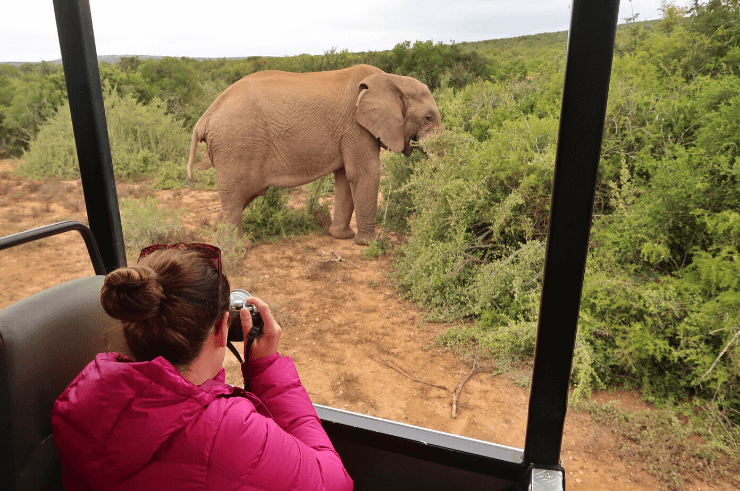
x=377, y=247
x=233, y=249
x=146, y=221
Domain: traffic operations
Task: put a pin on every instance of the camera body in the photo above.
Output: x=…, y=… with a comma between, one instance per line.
x=237, y=302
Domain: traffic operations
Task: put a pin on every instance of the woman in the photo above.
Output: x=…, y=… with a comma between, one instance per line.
x=167, y=420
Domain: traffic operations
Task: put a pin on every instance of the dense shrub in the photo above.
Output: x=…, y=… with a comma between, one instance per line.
x=660, y=303
x=29, y=97
x=145, y=142
x=268, y=217
x=475, y=209
x=53, y=151
x=436, y=65
x=396, y=207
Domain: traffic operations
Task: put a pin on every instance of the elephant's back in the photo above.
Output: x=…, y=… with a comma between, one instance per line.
x=279, y=78
x=276, y=83
x=274, y=93
x=278, y=87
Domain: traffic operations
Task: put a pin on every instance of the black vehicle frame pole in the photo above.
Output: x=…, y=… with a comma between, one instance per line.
x=80, y=60
x=588, y=65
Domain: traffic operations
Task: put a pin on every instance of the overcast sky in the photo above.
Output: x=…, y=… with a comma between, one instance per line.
x=237, y=28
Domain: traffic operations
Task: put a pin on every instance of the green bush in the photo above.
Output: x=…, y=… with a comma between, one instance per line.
x=268, y=217
x=172, y=175
x=511, y=345
x=53, y=152
x=321, y=187
x=145, y=142
x=316, y=206
x=29, y=97
x=376, y=248
x=660, y=304
x=135, y=127
x=476, y=205
x=205, y=180
x=436, y=65
x=666, y=330
x=396, y=206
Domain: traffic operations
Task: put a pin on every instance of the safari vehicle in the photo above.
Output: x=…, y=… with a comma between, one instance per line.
x=47, y=338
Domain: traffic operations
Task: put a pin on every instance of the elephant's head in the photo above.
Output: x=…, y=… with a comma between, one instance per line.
x=397, y=110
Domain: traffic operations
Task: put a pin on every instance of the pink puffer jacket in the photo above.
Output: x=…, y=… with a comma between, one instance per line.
x=124, y=425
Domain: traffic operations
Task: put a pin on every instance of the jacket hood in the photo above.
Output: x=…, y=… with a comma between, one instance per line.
x=129, y=410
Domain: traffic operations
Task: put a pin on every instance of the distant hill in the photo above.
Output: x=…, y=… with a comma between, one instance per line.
x=113, y=59
x=529, y=41
x=542, y=39
x=545, y=39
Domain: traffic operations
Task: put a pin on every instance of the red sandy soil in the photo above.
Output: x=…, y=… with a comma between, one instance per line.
x=344, y=325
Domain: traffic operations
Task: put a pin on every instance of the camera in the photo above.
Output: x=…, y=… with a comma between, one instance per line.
x=237, y=302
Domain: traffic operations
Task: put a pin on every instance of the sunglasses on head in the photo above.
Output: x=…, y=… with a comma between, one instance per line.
x=212, y=253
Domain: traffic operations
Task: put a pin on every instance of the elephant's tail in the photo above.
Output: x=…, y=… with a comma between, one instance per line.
x=199, y=135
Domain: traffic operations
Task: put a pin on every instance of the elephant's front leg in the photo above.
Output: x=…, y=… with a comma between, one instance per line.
x=364, y=185
x=343, y=207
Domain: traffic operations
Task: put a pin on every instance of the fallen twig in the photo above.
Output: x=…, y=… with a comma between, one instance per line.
x=338, y=259
x=720, y=356
x=386, y=363
x=476, y=369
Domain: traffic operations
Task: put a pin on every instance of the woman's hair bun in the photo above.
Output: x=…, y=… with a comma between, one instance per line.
x=131, y=294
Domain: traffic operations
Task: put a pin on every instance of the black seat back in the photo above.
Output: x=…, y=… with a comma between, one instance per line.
x=45, y=341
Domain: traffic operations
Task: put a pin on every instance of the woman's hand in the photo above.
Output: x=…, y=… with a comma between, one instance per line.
x=266, y=343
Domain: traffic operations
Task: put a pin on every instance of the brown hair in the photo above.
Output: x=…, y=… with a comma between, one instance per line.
x=168, y=304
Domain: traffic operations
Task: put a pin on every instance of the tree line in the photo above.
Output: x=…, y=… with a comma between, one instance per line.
x=31, y=93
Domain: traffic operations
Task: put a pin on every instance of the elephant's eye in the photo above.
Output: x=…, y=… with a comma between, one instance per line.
x=429, y=118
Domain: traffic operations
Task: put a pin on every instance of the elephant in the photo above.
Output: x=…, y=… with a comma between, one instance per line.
x=276, y=128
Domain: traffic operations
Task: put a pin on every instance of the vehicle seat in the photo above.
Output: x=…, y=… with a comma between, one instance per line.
x=45, y=341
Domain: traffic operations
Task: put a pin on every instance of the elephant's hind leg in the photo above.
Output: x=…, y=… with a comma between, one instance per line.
x=343, y=207
x=235, y=194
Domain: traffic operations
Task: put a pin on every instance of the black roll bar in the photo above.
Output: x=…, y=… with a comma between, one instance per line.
x=376, y=451
x=81, y=73
x=593, y=27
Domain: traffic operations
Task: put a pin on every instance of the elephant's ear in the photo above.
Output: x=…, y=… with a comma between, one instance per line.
x=380, y=111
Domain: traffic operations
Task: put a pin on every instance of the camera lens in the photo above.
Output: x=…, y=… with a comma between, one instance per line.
x=238, y=299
